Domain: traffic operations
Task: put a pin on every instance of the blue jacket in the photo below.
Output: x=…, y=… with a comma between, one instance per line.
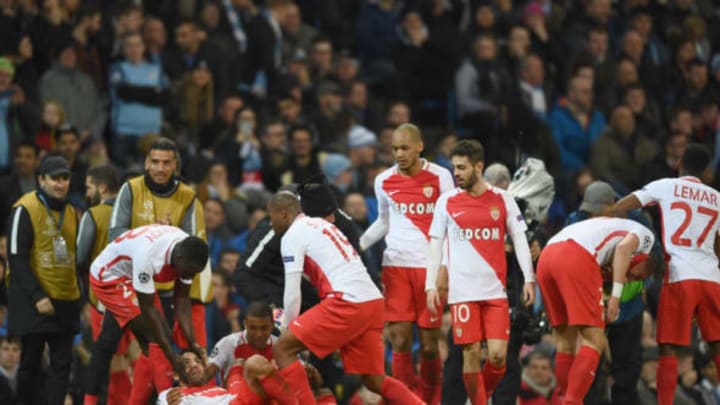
x=133, y=117
x=573, y=140
x=376, y=32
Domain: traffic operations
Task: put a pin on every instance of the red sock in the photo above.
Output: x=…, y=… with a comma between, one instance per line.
x=119, y=388
x=475, y=388
x=395, y=392
x=276, y=389
x=582, y=374
x=162, y=370
x=667, y=376
x=492, y=376
x=402, y=368
x=90, y=399
x=563, y=362
x=142, y=387
x=297, y=380
x=431, y=375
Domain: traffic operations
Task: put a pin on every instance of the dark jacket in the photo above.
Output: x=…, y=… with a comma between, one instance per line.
x=23, y=316
x=260, y=274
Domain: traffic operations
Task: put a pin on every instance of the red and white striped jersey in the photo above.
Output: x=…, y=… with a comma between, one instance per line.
x=142, y=255
x=476, y=227
x=689, y=215
x=236, y=346
x=409, y=203
x=317, y=248
x=599, y=236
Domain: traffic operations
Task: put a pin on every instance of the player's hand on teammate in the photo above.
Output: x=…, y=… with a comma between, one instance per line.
x=613, y=309
x=45, y=307
x=529, y=294
x=174, y=396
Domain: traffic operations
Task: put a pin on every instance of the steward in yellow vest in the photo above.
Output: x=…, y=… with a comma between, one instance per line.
x=43, y=291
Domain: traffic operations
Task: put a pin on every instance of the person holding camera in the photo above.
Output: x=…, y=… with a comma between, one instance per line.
x=570, y=274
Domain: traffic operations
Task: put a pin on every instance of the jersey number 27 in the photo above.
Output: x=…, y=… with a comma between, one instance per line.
x=677, y=237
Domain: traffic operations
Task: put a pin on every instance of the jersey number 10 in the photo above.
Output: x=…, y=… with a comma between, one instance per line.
x=677, y=238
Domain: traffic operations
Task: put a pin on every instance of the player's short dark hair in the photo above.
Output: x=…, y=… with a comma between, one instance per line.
x=695, y=159
x=106, y=175
x=163, y=143
x=470, y=149
x=259, y=309
x=193, y=251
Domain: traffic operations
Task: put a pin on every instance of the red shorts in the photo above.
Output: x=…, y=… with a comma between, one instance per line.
x=680, y=302
x=476, y=321
x=571, y=285
x=96, y=319
x=119, y=298
x=198, y=325
x=405, y=297
x=355, y=329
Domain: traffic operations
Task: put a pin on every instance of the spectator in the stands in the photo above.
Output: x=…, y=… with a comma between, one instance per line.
x=479, y=84
x=18, y=118
x=666, y=164
x=576, y=124
x=305, y=160
x=65, y=83
x=534, y=90
x=273, y=153
x=619, y=154
x=21, y=181
x=53, y=117
x=67, y=145
x=139, y=89
x=297, y=35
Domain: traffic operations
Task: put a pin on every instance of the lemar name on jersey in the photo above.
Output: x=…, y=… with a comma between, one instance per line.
x=692, y=193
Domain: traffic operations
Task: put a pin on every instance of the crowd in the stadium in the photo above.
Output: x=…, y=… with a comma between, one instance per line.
x=217, y=105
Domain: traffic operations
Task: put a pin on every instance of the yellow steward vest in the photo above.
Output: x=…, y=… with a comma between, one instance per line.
x=147, y=208
x=58, y=281
x=100, y=215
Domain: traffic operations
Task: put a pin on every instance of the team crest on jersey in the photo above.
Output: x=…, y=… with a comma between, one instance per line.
x=428, y=190
x=495, y=213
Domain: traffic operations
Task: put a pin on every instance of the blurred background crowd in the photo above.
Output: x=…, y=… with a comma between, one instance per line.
x=261, y=94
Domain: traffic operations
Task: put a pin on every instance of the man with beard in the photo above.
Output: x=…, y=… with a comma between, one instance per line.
x=159, y=197
x=476, y=218
x=102, y=183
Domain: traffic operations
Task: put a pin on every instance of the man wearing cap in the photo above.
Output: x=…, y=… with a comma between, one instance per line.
x=570, y=275
x=43, y=292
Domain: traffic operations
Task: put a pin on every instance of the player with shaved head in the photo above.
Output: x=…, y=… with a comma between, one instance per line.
x=406, y=195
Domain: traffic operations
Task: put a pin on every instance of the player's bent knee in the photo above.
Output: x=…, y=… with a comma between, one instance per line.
x=497, y=358
x=257, y=366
